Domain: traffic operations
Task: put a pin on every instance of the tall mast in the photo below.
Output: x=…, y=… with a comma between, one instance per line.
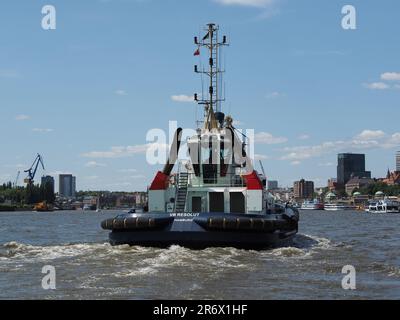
x=214, y=72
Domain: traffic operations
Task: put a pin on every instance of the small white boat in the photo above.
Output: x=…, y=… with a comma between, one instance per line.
x=384, y=206
x=98, y=207
x=338, y=207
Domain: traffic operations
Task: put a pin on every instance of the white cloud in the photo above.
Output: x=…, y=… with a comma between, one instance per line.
x=94, y=164
x=303, y=137
x=91, y=177
x=258, y=157
x=18, y=166
x=182, y=98
x=391, y=76
x=22, y=117
x=120, y=92
x=249, y=3
x=376, y=86
x=125, y=151
x=137, y=176
x=326, y=164
x=118, y=184
x=393, y=141
x=237, y=123
x=273, y=95
x=295, y=163
x=362, y=141
x=42, y=130
x=371, y=135
x=127, y=170
x=58, y=172
x=307, y=152
x=5, y=177
x=268, y=138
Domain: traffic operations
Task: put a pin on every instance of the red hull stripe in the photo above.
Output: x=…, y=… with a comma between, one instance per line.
x=253, y=181
x=160, y=181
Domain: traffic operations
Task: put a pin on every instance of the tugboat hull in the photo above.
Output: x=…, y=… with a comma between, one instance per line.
x=202, y=230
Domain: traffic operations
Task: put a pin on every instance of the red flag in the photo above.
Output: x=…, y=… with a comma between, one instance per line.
x=197, y=52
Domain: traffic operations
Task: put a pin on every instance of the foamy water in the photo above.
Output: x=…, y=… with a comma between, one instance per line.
x=88, y=267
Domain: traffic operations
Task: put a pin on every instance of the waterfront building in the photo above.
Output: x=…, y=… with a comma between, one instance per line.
x=332, y=184
x=141, y=199
x=330, y=197
x=351, y=165
x=126, y=201
x=303, y=189
x=48, y=180
x=357, y=183
x=284, y=195
x=89, y=201
x=392, y=178
x=67, y=185
x=272, y=185
x=360, y=200
x=398, y=161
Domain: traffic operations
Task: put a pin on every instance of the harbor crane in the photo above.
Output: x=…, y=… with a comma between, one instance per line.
x=262, y=168
x=16, y=179
x=32, y=170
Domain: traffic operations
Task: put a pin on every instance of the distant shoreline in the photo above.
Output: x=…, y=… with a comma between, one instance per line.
x=18, y=210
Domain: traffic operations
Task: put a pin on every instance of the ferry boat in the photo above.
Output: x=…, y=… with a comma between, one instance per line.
x=312, y=205
x=214, y=199
x=384, y=206
x=339, y=206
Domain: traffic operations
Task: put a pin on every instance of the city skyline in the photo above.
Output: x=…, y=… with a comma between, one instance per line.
x=85, y=101
x=271, y=184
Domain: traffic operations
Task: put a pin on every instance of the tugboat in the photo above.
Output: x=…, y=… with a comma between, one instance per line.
x=43, y=207
x=214, y=199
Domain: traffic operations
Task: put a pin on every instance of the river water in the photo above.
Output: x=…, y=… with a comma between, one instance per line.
x=87, y=267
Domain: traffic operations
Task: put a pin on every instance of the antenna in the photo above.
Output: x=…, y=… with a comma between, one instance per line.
x=212, y=43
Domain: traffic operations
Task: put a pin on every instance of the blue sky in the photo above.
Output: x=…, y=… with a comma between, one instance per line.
x=109, y=72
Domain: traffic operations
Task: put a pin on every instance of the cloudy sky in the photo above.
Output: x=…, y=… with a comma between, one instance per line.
x=86, y=94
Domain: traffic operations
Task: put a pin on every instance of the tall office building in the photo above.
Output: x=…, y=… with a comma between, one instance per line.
x=304, y=189
x=67, y=185
x=48, y=180
x=398, y=161
x=351, y=165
